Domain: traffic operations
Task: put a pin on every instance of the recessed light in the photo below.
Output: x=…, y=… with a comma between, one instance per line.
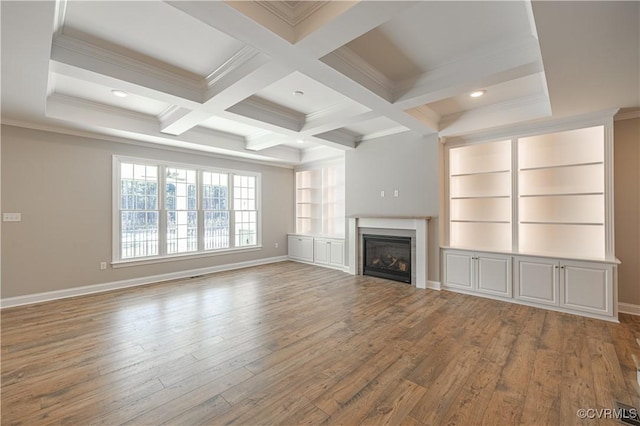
x=477, y=93
x=298, y=93
x=300, y=140
x=119, y=93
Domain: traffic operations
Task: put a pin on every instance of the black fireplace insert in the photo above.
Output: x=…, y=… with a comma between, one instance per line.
x=387, y=257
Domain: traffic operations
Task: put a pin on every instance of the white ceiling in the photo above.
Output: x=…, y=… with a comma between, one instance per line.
x=219, y=76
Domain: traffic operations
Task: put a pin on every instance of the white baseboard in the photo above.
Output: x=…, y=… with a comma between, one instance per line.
x=99, y=288
x=434, y=285
x=628, y=308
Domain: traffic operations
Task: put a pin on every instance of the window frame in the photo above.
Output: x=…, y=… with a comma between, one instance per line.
x=162, y=256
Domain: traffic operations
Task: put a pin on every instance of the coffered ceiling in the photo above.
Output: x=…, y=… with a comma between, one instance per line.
x=291, y=81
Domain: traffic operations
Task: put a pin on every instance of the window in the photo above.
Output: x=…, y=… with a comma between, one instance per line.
x=138, y=210
x=244, y=200
x=182, y=214
x=215, y=199
x=169, y=210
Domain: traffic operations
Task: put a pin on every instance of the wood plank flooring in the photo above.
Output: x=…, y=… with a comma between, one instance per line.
x=290, y=343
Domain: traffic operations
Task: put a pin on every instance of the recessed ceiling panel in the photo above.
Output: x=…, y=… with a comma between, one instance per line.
x=433, y=34
x=69, y=86
x=153, y=29
x=519, y=88
x=313, y=96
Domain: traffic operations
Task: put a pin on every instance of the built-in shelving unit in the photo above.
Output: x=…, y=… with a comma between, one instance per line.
x=320, y=215
x=530, y=219
x=561, y=193
x=480, y=196
x=320, y=201
x=309, y=201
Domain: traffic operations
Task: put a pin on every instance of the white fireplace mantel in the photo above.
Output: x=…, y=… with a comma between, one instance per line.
x=417, y=224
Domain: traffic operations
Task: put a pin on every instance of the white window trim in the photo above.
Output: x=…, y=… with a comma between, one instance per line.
x=116, y=232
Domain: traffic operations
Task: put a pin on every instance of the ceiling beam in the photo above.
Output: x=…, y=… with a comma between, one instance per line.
x=225, y=18
x=145, y=128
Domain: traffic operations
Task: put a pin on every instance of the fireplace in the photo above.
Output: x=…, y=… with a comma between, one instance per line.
x=387, y=257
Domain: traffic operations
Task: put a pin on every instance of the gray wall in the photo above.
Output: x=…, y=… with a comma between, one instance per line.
x=627, y=208
x=406, y=162
x=62, y=186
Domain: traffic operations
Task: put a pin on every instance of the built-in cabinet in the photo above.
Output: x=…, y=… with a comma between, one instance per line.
x=562, y=284
x=328, y=252
x=300, y=247
x=318, y=250
x=530, y=218
x=478, y=272
x=574, y=285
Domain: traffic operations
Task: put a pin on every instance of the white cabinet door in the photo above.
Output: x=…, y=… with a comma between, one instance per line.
x=336, y=255
x=458, y=269
x=321, y=249
x=300, y=248
x=587, y=287
x=536, y=280
x=493, y=274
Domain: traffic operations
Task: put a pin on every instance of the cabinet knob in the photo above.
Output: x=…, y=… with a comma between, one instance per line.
x=562, y=267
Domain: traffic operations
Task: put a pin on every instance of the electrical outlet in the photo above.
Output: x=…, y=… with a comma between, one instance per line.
x=395, y=193
x=11, y=217
x=382, y=194
x=103, y=265
x=275, y=245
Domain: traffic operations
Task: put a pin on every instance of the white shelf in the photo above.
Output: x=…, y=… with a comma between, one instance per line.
x=583, y=179
x=483, y=158
x=485, y=185
x=581, y=146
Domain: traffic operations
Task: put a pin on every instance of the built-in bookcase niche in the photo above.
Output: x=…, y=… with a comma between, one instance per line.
x=557, y=195
x=309, y=202
x=561, y=204
x=480, y=196
x=320, y=201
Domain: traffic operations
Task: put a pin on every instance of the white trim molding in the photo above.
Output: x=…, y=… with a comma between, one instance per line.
x=29, y=299
x=628, y=308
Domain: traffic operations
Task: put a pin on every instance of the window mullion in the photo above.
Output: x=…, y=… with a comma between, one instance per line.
x=232, y=211
x=200, y=209
x=162, y=210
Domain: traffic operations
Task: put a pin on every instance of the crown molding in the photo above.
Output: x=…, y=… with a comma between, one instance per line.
x=83, y=50
x=280, y=10
x=59, y=16
x=426, y=115
x=353, y=64
x=382, y=133
x=343, y=138
x=168, y=112
x=263, y=110
x=232, y=64
x=306, y=9
x=290, y=14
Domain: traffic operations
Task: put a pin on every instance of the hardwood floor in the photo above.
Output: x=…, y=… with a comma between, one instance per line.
x=289, y=343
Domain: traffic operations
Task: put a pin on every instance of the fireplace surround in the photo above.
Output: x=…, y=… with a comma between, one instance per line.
x=417, y=227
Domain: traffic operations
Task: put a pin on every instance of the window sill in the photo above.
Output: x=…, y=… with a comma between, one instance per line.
x=186, y=256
